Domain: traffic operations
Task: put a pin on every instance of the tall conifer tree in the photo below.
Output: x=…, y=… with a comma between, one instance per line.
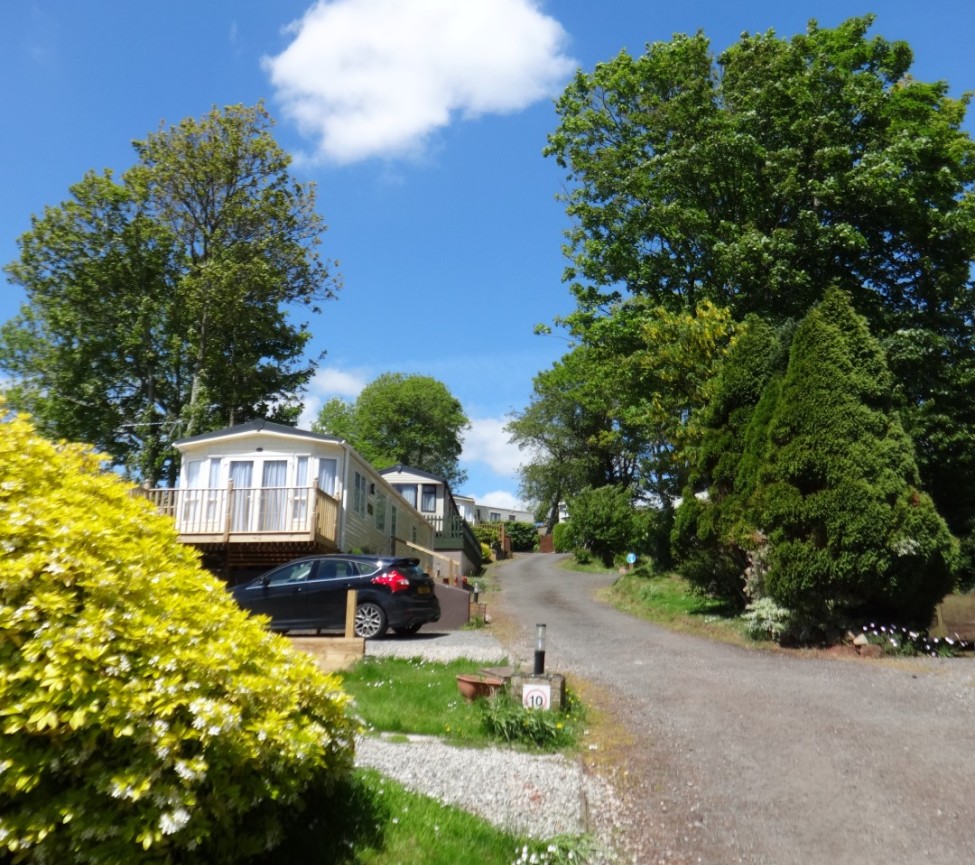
x=838, y=494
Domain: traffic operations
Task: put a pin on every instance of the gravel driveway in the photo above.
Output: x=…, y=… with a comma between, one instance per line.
x=723, y=755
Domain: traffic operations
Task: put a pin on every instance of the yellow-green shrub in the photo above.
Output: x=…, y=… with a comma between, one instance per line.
x=143, y=716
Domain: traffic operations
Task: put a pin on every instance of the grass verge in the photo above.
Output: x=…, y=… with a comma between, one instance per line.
x=669, y=600
x=400, y=695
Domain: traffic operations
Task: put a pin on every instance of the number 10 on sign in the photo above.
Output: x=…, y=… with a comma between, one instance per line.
x=536, y=696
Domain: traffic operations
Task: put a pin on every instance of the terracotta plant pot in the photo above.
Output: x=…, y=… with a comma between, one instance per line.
x=472, y=686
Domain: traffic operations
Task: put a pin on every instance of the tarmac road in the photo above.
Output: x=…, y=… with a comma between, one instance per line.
x=725, y=755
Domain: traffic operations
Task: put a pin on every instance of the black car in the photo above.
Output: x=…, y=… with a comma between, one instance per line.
x=311, y=592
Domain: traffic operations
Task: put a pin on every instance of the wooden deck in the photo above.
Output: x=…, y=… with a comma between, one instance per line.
x=251, y=527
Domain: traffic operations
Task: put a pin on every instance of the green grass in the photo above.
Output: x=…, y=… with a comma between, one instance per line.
x=400, y=695
x=375, y=821
x=668, y=600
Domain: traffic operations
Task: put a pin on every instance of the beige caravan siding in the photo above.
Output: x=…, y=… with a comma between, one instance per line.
x=368, y=501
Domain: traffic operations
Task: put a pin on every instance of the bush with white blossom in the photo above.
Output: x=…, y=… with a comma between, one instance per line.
x=143, y=716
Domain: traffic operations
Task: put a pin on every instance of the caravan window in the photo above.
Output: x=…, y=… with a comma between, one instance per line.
x=407, y=491
x=327, y=470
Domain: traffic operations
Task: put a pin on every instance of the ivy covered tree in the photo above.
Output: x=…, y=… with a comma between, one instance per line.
x=158, y=303
x=410, y=420
x=708, y=530
x=757, y=177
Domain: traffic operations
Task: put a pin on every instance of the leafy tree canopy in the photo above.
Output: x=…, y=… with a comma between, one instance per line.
x=410, y=420
x=614, y=409
x=156, y=302
x=756, y=178
x=759, y=177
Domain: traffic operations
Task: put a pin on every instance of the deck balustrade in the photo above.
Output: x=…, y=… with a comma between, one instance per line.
x=248, y=513
x=454, y=533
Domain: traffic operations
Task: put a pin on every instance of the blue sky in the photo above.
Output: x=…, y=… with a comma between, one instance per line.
x=421, y=121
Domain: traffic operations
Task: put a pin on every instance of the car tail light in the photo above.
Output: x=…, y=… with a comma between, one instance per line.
x=396, y=581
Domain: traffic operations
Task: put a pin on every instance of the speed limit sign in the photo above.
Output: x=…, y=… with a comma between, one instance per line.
x=536, y=696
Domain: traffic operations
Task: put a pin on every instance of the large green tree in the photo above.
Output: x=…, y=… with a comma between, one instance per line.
x=760, y=176
x=614, y=409
x=158, y=303
x=410, y=420
x=837, y=493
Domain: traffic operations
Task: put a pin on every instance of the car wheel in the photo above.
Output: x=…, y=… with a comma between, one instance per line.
x=370, y=621
x=409, y=629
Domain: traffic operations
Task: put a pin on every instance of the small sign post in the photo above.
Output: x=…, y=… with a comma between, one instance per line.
x=536, y=695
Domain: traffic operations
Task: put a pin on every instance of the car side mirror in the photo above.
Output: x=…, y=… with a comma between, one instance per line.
x=265, y=581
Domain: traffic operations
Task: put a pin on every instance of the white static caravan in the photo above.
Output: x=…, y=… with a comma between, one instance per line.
x=260, y=493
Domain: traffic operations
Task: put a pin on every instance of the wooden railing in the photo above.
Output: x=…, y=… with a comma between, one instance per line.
x=226, y=512
x=454, y=533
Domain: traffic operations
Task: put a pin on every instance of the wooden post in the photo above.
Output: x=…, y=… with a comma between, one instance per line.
x=351, y=600
x=226, y=531
x=312, y=511
x=229, y=512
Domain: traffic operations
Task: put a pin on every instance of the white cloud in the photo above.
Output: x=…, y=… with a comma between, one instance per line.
x=370, y=78
x=486, y=441
x=501, y=499
x=329, y=382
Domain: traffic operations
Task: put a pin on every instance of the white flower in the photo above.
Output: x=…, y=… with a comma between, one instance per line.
x=172, y=822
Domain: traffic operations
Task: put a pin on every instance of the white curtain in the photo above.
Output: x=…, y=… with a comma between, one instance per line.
x=327, y=469
x=274, y=477
x=241, y=474
x=191, y=498
x=194, y=470
x=300, y=508
x=407, y=491
x=213, y=497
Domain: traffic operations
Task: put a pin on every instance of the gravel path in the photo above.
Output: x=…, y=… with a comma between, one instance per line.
x=529, y=794
x=723, y=755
